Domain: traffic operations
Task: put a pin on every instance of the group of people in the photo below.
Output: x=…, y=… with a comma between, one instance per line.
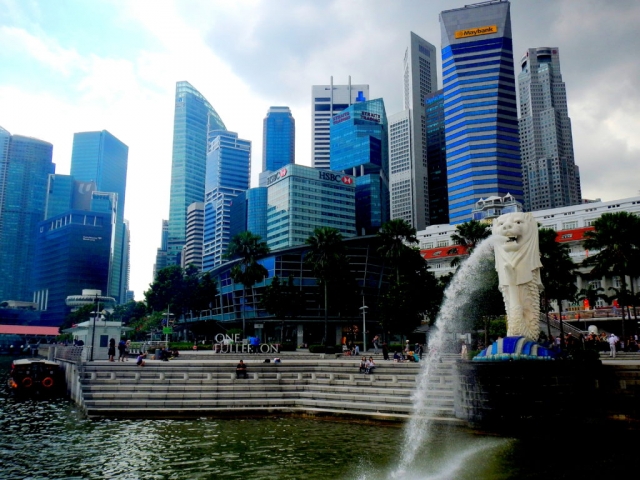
x=123, y=350
x=367, y=365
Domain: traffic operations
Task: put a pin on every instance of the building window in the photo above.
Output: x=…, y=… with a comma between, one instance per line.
x=443, y=243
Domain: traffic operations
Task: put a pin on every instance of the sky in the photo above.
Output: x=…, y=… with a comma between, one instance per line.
x=75, y=65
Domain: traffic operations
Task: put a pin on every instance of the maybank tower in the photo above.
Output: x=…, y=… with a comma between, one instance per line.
x=480, y=108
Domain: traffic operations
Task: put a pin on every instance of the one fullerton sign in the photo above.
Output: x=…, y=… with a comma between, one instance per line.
x=474, y=32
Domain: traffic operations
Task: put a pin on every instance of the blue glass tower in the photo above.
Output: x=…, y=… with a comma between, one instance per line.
x=102, y=158
x=193, y=118
x=480, y=108
x=25, y=165
x=228, y=175
x=359, y=147
x=279, y=139
x=436, y=159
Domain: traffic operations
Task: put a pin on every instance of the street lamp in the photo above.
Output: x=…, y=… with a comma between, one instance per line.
x=364, y=325
x=93, y=329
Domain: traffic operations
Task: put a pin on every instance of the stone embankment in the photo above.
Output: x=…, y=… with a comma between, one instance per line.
x=188, y=387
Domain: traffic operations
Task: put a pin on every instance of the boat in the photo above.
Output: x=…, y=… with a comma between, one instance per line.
x=36, y=377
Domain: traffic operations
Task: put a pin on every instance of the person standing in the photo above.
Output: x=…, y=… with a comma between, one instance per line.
x=121, y=349
x=612, y=345
x=376, y=339
x=385, y=351
x=112, y=350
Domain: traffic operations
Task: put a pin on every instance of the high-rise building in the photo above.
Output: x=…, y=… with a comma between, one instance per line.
x=480, y=109
x=193, y=118
x=195, y=227
x=550, y=176
x=436, y=159
x=161, y=254
x=101, y=158
x=65, y=193
x=359, y=147
x=279, y=139
x=25, y=165
x=328, y=100
x=228, y=174
x=420, y=79
x=301, y=199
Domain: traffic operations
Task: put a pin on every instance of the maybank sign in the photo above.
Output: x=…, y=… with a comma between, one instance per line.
x=474, y=32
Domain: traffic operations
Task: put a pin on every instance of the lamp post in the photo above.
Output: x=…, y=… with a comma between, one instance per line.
x=93, y=329
x=364, y=326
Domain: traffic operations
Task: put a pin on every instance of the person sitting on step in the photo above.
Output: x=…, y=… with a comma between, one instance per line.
x=241, y=370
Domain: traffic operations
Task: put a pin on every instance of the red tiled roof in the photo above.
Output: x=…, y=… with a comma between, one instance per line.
x=24, y=330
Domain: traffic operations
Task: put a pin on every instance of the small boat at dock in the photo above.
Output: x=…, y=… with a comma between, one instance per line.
x=35, y=377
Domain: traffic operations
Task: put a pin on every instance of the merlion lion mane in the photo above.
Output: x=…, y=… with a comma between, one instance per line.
x=517, y=255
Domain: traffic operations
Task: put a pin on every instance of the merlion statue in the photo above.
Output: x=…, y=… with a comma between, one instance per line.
x=518, y=264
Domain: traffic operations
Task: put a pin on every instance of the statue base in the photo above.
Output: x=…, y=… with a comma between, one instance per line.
x=509, y=349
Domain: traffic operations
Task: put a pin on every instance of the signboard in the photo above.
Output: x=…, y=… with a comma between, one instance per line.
x=276, y=176
x=341, y=117
x=167, y=330
x=258, y=325
x=335, y=177
x=474, y=32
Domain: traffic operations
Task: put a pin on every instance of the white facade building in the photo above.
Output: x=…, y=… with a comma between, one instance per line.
x=327, y=100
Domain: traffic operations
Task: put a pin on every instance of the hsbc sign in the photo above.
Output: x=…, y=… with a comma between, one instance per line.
x=277, y=176
x=335, y=177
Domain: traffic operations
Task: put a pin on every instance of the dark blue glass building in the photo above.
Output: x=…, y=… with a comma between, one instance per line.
x=25, y=165
x=279, y=139
x=228, y=174
x=480, y=109
x=193, y=118
x=436, y=159
x=359, y=147
x=102, y=158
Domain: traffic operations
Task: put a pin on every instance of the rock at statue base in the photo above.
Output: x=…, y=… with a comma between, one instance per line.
x=514, y=348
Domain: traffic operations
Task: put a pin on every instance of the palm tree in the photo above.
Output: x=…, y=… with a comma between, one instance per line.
x=592, y=294
x=248, y=248
x=396, y=236
x=326, y=255
x=468, y=235
x=616, y=240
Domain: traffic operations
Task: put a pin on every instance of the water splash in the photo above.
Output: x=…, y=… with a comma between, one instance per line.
x=461, y=290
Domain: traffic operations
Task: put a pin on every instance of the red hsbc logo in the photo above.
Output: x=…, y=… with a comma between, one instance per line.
x=283, y=172
x=347, y=180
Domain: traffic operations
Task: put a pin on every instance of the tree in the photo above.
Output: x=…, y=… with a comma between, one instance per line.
x=206, y=292
x=128, y=312
x=283, y=300
x=82, y=314
x=616, y=239
x=326, y=257
x=396, y=237
x=248, y=248
x=592, y=294
x=468, y=235
x=558, y=271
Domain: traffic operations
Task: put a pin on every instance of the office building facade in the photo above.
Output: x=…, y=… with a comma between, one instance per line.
x=195, y=229
x=228, y=174
x=193, y=118
x=550, y=176
x=327, y=101
x=480, y=109
x=278, y=139
x=101, y=158
x=301, y=199
x=359, y=147
x=419, y=80
x=436, y=159
x=25, y=166
x=161, y=253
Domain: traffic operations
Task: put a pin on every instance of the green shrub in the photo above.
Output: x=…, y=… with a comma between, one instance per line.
x=316, y=348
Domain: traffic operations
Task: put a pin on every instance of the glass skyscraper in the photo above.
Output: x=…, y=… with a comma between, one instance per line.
x=480, y=108
x=550, y=176
x=279, y=139
x=359, y=147
x=102, y=158
x=228, y=174
x=193, y=118
x=436, y=159
x=25, y=165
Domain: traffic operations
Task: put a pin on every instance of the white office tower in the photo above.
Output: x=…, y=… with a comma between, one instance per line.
x=550, y=176
x=410, y=201
x=327, y=101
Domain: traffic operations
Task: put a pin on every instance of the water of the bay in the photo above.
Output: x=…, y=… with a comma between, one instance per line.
x=49, y=439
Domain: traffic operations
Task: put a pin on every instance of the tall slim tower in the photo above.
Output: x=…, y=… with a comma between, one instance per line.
x=193, y=118
x=550, y=176
x=327, y=100
x=101, y=158
x=228, y=174
x=25, y=165
x=279, y=139
x=480, y=109
x=420, y=79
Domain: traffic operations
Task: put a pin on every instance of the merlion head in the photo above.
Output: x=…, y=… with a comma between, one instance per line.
x=515, y=231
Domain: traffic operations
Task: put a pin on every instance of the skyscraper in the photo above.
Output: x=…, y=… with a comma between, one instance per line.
x=359, y=147
x=327, y=100
x=409, y=184
x=25, y=165
x=193, y=118
x=436, y=159
x=279, y=139
x=550, y=176
x=228, y=174
x=102, y=158
x=192, y=252
x=480, y=110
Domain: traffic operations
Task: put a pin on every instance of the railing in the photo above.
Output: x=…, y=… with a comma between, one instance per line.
x=566, y=327
x=71, y=353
